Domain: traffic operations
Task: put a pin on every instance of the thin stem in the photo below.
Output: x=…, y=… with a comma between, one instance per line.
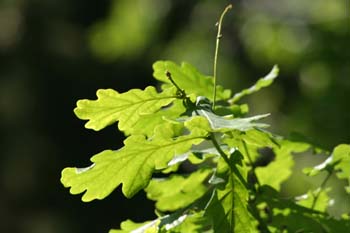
x=320, y=189
x=218, y=37
x=218, y=148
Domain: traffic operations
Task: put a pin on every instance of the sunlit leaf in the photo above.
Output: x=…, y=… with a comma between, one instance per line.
x=147, y=123
x=127, y=108
x=189, y=79
x=132, y=165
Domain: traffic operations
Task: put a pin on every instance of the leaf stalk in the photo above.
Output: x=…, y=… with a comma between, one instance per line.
x=180, y=92
x=218, y=148
x=218, y=37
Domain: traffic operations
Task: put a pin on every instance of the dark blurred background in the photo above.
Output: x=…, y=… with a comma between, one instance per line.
x=54, y=52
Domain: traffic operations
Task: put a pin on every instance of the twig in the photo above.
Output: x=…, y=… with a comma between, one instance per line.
x=181, y=92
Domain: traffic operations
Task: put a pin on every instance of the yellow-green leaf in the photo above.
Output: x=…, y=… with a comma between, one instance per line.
x=178, y=191
x=189, y=79
x=131, y=165
x=127, y=108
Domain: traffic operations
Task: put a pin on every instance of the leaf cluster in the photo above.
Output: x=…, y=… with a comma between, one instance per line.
x=237, y=166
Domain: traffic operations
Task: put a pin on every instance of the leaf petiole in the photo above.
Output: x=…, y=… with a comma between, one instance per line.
x=218, y=148
x=180, y=92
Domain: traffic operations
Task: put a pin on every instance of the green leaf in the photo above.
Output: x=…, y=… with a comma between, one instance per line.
x=177, y=191
x=147, y=123
x=309, y=199
x=286, y=216
x=130, y=226
x=324, y=166
x=193, y=223
x=341, y=160
x=280, y=169
x=196, y=156
x=228, y=208
x=234, y=110
x=127, y=108
x=255, y=139
x=271, y=155
x=131, y=165
x=177, y=222
x=217, y=123
x=261, y=83
x=338, y=161
x=189, y=79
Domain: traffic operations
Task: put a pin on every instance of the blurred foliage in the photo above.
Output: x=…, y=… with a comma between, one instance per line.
x=56, y=52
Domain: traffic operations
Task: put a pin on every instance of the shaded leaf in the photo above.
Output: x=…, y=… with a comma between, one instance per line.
x=228, y=208
x=177, y=191
x=225, y=123
x=234, y=110
x=261, y=83
x=132, y=165
x=194, y=223
x=127, y=108
x=309, y=200
x=130, y=226
x=270, y=169
x=324, y=166
x=338, y=161
x=255, y=139
x=287, y=216
x=280, y=169
x=196, y=156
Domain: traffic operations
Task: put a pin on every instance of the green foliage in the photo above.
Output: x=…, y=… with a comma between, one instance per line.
x=228, y=208
x=188, y=78
x=184, y=190
x=231, y=189
x=237, y=167
x=127, y=108
x=132, y=165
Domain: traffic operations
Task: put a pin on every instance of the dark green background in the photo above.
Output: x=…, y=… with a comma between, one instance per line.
x=54, y=52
